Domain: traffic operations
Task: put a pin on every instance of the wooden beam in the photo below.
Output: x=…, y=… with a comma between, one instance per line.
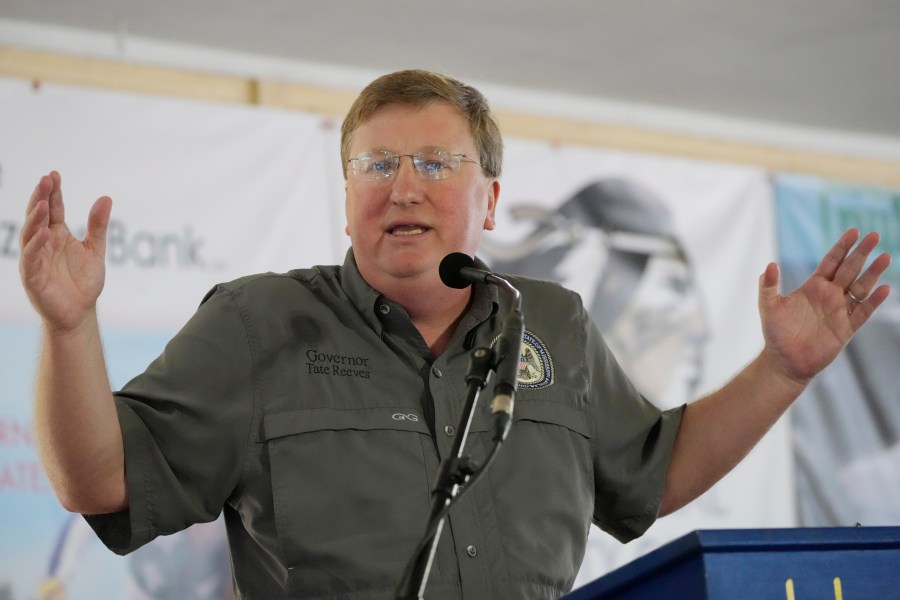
x=145, y=79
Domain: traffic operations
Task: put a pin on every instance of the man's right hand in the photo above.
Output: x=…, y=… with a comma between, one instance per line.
x=62, y=276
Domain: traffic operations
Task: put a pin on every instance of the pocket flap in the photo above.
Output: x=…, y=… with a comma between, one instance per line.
x=276, y=425
x=548, y=411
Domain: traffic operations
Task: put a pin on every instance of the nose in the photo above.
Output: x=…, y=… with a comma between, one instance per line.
x=406, y=185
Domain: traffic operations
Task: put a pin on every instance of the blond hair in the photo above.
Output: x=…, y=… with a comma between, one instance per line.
x=418, y=88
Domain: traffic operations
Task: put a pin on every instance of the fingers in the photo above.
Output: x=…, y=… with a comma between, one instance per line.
x=34, y=241
x=848, y=270
x=830, y=263
x=860, y=313
x=49, y=189
x=843, y=264
x=34, y=245
x=768, y=286
x=57, y=209
x=44, y=208
x=30, y=248
x=36, y=219
x=98, y=223
x=44, y=231
x=862, y=286
x=862, y=296
x=41, y=192
x=768, y=281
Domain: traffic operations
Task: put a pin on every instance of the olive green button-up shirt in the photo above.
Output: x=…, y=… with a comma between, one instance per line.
x=308, y=408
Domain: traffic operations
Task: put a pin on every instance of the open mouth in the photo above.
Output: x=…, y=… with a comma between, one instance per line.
x=405, y=230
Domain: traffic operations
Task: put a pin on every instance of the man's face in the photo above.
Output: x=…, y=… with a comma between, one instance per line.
x=402, y=227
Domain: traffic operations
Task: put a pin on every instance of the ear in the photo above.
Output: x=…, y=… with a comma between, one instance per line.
x=346, y=209
x=493, y=196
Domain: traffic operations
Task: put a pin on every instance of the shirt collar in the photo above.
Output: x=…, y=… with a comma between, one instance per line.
x=370, y=302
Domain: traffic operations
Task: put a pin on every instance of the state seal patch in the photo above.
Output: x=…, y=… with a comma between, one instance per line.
x=535, y=363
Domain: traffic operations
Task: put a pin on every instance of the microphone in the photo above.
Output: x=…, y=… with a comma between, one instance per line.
x=458, y=270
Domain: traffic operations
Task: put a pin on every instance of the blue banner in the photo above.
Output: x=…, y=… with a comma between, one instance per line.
x=846, y=426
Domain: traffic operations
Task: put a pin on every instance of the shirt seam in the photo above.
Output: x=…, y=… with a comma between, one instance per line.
x=592, y=417
x=254, y=389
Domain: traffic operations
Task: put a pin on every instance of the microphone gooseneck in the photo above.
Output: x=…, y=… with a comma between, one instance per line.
x=458, y=270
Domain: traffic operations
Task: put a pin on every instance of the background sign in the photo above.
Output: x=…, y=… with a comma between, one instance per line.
x=846, y=426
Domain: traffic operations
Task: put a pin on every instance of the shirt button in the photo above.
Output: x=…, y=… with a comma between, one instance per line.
x=471, y=551
x=449, y=430
x=385, y=309
x=436, y=372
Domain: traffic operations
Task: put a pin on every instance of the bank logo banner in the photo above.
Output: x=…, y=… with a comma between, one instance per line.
x=202, y=193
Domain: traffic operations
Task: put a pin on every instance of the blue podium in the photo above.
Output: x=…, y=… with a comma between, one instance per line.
x=858, y=563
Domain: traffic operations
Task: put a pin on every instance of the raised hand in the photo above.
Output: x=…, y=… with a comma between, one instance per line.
x=62, y=276
x=806, y=329
x=75, y=418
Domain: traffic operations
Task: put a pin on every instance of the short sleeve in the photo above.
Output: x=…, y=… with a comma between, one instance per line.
x=633, y=443
x=185, y=424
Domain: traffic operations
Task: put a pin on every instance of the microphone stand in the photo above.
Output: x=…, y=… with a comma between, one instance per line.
x=454, y=472
x=458, y=469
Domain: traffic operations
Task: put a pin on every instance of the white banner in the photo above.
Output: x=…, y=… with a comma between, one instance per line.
x=202, y=192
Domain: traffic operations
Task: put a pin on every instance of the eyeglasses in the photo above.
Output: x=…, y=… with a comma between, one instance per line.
x=430, y=163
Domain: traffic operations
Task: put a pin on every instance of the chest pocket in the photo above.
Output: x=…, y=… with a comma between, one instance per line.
x=351, y=493
x=552, y=443
x=542, y=484
x=548, y=453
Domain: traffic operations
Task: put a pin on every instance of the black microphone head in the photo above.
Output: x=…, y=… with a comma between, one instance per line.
x=450, y=269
